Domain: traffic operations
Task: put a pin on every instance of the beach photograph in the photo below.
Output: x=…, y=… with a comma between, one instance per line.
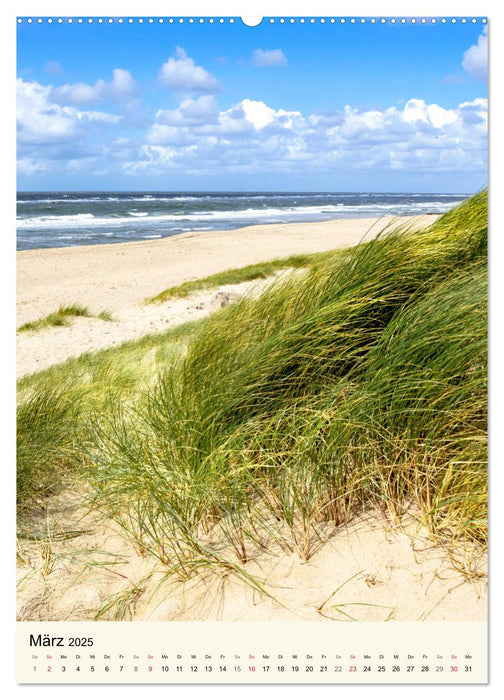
x=251, y=319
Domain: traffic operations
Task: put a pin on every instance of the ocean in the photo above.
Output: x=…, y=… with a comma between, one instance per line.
x=60, y=219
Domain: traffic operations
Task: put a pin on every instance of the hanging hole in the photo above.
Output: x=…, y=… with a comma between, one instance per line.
x=251, y=21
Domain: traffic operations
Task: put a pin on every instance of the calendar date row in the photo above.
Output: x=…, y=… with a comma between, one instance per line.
x=308, y=668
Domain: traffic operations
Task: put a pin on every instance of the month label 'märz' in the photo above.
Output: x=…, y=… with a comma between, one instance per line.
x=156, y=652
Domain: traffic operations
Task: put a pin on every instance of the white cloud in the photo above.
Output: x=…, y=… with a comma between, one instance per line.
x=121, y=88
x=31, y=166
x=417, y=110
x=257, y=113
x=232, y=123
x=253, y=137
x=196, y=119
x=54, y=137
x=202, y=110
x=272, y=57
x=260, y=115
x=39, y=120
x=164, y=134
x=475, y=58
x=181, y=73
x=250, y=137
x=156, y=159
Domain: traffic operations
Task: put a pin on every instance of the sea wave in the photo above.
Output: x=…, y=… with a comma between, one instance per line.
x=248, y=214
x=52, y=221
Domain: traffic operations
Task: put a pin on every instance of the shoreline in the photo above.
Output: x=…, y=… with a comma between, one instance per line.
x=117, y=275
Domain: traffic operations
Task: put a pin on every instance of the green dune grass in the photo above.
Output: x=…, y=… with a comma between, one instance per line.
x=62, y=317
x=360, y=383
x=236, y=276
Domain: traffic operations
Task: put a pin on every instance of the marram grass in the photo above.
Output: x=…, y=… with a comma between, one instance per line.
x=62, y=317
x=361, y=382
x=236, y=276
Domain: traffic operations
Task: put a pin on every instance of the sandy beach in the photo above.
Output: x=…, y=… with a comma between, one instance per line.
x=117, y=278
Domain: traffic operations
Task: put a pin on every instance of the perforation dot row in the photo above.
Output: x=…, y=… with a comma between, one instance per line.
x=272, y=20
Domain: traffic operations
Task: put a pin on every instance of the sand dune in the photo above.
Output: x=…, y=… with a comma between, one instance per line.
x=370, y=570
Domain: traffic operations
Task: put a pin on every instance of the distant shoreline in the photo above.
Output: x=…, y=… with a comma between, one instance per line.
x=66, y=219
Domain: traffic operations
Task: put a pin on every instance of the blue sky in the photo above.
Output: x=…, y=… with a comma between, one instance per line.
x=353, y=107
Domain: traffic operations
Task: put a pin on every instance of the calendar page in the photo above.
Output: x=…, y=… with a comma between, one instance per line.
x=251, y=349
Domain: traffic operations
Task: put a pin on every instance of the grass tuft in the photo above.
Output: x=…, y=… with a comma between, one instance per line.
x=237, y=276
x=62, y=317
